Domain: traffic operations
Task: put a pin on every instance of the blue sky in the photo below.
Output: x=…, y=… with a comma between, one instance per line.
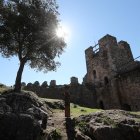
x=88, y=21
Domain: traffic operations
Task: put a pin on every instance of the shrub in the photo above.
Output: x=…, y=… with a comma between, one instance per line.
x=82, y=126
x=75, y=106
x=55, y=135
x=83, y=110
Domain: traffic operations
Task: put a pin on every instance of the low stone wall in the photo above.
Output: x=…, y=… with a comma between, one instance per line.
x=79, y=94
x=122, y=92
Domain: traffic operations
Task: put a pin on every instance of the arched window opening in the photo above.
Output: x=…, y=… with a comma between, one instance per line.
x=106, y=81
x=101, y=104
x=126, y=107
x=94, y=74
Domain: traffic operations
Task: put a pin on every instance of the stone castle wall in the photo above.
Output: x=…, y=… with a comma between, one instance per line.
x=79, y=94
x=114, y=73
x=129, y=88
x=112, y=79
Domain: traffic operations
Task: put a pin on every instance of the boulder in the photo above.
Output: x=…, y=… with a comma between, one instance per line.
x=108, y=125
x=22, y=116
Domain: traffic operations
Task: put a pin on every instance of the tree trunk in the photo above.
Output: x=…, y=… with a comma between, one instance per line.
x=19, y=76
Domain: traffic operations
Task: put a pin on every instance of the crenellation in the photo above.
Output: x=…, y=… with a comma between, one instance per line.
x=74, y=81
x=107, y=41
x=53, y=83
x=124, y=45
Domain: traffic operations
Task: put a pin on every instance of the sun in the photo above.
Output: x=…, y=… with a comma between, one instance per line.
x=63, y=32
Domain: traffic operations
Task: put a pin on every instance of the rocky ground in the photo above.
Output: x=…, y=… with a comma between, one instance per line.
x=57, y=125
x=25, y=116
x=108, y=125
x=22, y=116
x=102, y=125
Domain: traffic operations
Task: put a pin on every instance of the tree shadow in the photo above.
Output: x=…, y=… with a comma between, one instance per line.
x=70, y=128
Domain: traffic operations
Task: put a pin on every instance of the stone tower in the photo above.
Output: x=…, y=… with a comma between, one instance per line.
x=110, y=58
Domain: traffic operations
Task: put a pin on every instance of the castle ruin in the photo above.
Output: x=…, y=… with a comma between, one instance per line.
x=111, y=69
x=112, y=79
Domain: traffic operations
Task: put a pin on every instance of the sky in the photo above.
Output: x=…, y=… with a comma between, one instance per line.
x=87, y=21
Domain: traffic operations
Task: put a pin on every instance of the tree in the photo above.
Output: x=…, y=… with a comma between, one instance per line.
x=28, y=31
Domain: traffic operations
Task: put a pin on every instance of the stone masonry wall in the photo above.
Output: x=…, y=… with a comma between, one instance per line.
x=129, y=87
x=102, y=68
x=79, y=94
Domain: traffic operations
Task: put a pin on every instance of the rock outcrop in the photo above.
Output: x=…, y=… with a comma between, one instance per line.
x=108, y=125
x=22, y=116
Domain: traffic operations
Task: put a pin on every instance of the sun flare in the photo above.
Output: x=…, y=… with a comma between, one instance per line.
x=63, y=32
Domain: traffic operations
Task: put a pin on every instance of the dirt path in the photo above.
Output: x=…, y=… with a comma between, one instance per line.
x=65, y=126
x=57, y=121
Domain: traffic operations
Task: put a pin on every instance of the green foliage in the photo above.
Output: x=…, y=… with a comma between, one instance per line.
x=55, y=135
x=106, y=121
x=82, y=126
x=75, y=106
x=28, y=30
x=83, y=110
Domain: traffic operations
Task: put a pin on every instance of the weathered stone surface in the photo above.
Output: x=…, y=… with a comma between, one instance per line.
x=81, y=136
x=79, y=94
x=21, y=116
x=55, y=104
x=109, y=125
x=114, y=73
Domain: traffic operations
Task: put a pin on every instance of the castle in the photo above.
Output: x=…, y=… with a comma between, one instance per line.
x=112, y=79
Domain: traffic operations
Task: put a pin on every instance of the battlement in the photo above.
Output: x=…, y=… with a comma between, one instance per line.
x=74, y=81
x=107, y=40
x=123, y=44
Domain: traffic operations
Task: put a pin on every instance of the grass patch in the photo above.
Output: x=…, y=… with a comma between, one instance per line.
x=135, y=113
x=77, y=110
